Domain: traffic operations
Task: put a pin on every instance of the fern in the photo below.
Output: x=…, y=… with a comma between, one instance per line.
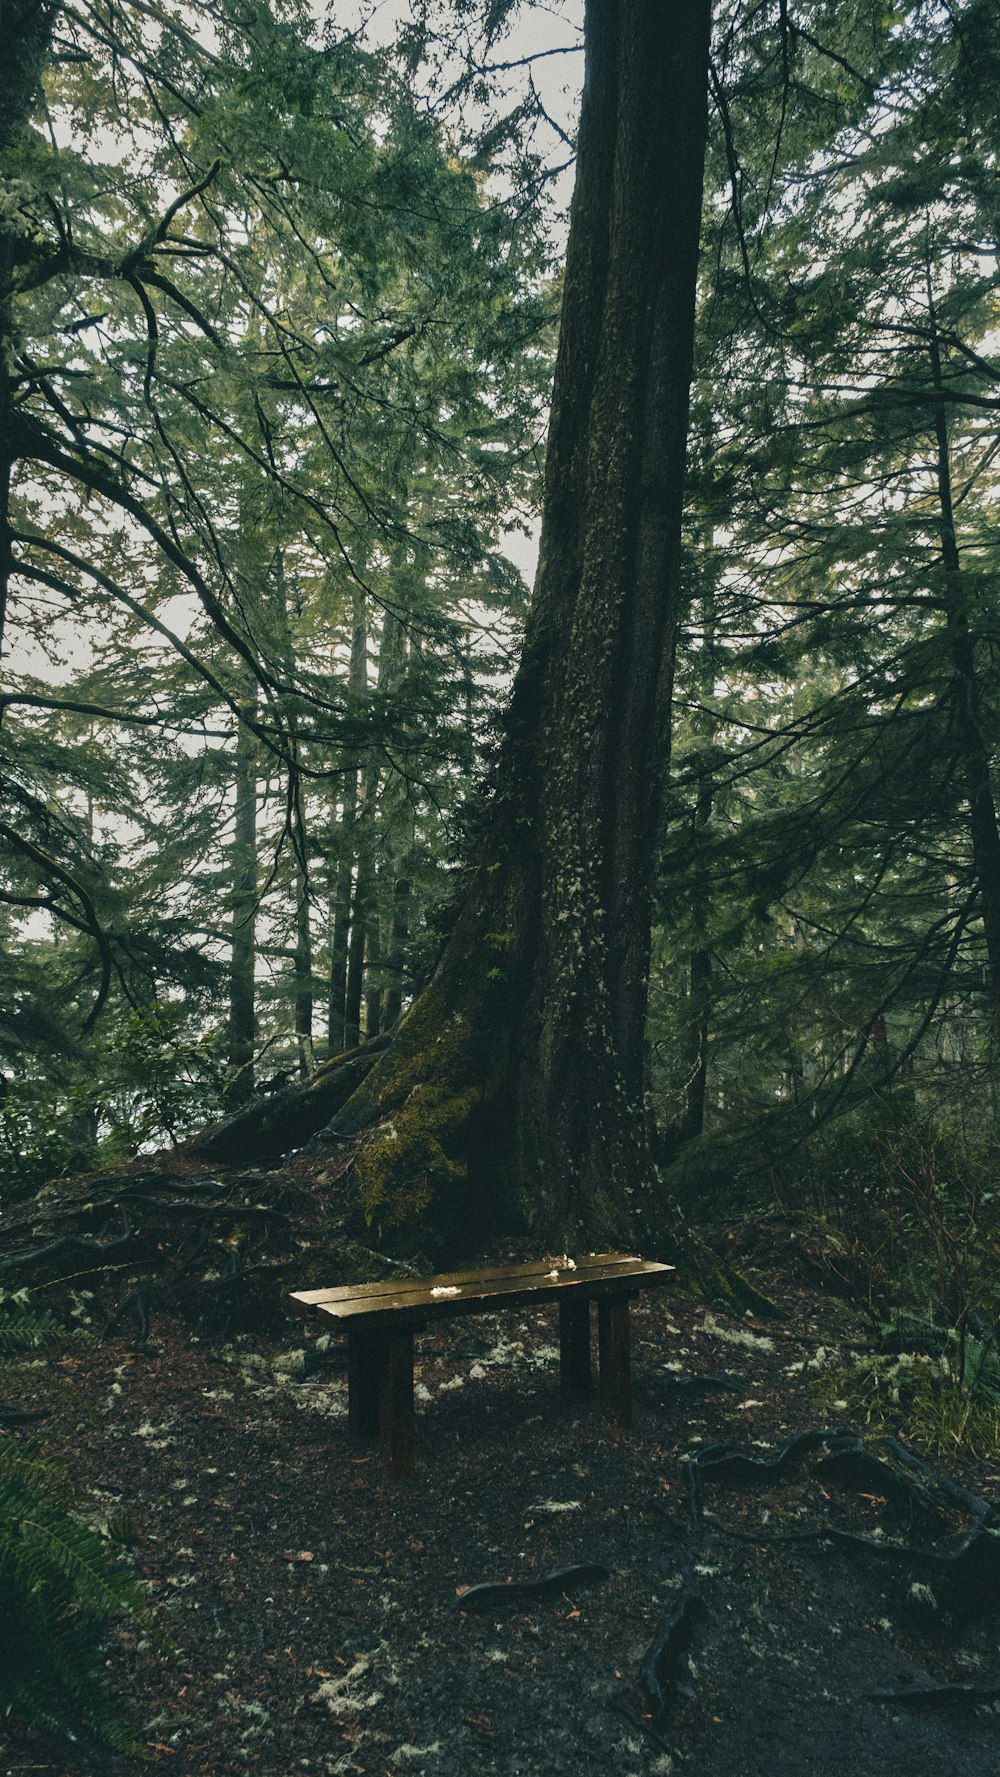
x=58, y=1584
x=22, y=1330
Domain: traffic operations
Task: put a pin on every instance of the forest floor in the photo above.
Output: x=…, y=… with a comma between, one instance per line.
x=315, y=1608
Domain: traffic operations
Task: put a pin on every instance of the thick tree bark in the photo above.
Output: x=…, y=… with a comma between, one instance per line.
x=514, y=1090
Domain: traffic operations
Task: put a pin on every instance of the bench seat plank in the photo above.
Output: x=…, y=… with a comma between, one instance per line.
x=488, y=1274
x=475, y=1296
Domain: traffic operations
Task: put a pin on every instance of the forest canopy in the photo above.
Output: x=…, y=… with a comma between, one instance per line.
x=279, y=310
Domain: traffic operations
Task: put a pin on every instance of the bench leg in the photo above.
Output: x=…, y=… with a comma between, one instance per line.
x=615, y=1349
x=365, y=1356
x=397, y=1424
x=574, y=1342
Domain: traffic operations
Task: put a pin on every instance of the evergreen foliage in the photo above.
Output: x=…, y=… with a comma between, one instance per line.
x=831, y=862
x=59, y=1579
x=293, y=359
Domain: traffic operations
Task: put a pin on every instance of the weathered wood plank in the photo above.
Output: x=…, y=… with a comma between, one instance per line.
x=476, y=1297
x=381, y=1319
x=485, y=1274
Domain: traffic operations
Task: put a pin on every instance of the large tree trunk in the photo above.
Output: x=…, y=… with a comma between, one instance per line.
x=523, y=1058
x=512, y=1093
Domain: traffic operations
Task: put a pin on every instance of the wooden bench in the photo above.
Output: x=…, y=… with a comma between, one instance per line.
x=381, y=1318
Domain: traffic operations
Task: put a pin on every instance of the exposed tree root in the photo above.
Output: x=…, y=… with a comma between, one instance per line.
x=402, y=1111
x=382, y=1148
x=963, y=1565
x=216, y=1248
x=286, y=1120
x=488, y=1595
x=668, y=1236
x=664, y=1672
x=928, y=1692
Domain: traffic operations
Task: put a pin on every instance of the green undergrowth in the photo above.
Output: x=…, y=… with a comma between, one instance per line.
x=61, y=1583
x=916, y=1200
x=917, y=1398
x=905, y=1202
x=23, y=1328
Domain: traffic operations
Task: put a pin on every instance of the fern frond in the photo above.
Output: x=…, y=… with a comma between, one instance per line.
x=59, y=1586
x=27, y=1330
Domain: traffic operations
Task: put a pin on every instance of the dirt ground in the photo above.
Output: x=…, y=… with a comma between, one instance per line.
x=315, y=1608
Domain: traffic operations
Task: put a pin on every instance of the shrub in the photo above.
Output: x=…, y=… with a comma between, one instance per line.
x=59, y=1584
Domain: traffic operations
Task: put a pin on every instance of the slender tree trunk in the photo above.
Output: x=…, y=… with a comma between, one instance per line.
x=365, y=946
x=373, y=968
x=523, y=1058
x=26, y=34
x=700, y=961
x=6, y=415
x=699, y=1008
x=303, y=974
x=397, y=838
x=342, y=896
x=302, y=952
x=243, y=956
x=975, y=753
x=362, y=904
x=399, y=932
